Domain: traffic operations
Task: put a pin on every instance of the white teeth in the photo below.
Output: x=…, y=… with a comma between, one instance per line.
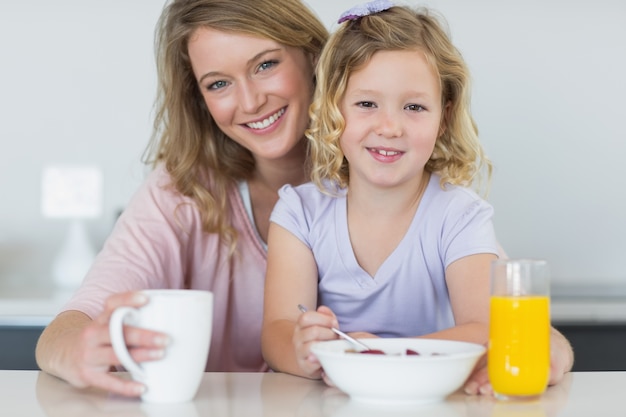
x=386, y=153
x=267, y=122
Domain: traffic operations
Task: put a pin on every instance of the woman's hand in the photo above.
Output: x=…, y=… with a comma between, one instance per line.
x=77, y=349
x=311, y=327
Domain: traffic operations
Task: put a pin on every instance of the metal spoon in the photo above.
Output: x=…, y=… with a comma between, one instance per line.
x=350, y=339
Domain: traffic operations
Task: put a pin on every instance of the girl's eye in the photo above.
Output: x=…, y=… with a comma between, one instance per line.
x=367, y=104
x=267, y=65
x=415, y=107
x=216, y=85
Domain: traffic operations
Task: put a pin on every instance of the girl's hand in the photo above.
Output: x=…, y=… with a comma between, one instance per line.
x=362, y=335
x=478, y=381
x=79, y=350
x=311, y=327
x=561, y=362
x=561, y=356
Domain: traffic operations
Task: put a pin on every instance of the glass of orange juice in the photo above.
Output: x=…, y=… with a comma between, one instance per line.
x=519, y=328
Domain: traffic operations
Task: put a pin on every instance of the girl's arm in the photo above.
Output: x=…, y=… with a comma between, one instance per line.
x=468, y=286
x=291, y=279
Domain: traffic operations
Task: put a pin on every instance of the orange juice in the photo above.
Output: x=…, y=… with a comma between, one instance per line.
x=519, y=345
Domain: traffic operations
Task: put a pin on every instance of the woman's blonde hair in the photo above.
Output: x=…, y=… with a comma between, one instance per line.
x=458, y=156
x=203, y=162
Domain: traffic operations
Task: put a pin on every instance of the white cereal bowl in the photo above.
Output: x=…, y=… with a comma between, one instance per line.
x=440, y=369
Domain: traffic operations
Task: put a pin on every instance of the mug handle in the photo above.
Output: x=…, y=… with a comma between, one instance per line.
x=116, y=332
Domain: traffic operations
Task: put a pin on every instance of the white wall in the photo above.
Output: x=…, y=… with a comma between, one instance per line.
x=77, y=83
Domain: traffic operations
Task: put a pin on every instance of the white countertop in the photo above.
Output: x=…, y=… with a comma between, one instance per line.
x=37, y=394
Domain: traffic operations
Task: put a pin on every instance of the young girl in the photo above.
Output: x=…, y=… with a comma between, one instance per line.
x=388, y=240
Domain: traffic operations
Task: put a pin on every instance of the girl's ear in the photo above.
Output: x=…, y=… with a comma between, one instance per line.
x=445, y=117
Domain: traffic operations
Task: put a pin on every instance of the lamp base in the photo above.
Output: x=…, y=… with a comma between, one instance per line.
x=75, y=257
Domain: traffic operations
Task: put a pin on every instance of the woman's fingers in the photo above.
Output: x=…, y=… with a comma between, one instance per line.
x=125, y=299
x=94, y=357
x=135, y=337
x=144, y=338
x=115, y=383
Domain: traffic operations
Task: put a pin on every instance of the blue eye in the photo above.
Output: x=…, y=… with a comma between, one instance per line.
x=267, y=64
x=217, y=85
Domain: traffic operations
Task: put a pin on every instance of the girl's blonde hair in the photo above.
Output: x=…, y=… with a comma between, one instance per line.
x=458, y=156
x=203, y=162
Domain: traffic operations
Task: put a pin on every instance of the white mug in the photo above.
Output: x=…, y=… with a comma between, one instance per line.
x=186, y=316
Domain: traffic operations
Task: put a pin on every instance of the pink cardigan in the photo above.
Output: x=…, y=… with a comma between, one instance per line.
x=158, y=242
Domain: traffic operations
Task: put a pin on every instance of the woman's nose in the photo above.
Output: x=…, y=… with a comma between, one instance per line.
x=251, y=98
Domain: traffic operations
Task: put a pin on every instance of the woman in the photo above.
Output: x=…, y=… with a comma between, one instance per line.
x=235, y=82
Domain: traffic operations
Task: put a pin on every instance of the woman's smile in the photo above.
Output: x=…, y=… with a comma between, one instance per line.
x=267, y=122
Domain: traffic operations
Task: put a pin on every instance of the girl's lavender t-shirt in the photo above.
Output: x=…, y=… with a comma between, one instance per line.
x=408, y=295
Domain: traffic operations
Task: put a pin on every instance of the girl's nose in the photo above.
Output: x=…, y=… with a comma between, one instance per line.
x=388, y=125
x=251, y=98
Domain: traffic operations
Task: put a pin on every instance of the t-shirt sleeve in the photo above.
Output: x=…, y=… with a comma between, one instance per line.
x=291, y=214
x=470, y=232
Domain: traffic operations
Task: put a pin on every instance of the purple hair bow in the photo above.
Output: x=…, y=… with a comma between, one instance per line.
x=365, y=10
